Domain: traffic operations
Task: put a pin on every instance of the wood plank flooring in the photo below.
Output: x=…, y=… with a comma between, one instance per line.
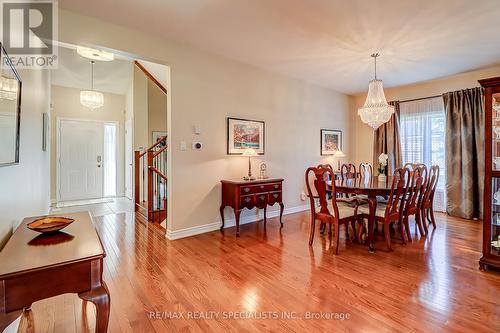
x=430, y=285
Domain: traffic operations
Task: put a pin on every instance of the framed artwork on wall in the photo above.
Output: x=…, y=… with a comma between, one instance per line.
x=157, y=135
x=243, y=134
x=331, y=141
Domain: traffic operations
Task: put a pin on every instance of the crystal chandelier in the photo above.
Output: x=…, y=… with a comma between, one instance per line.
x=90, y=98
x=8, y=88
x=376, y=110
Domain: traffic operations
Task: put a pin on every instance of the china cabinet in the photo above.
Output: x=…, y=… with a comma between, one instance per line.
x=491, y=224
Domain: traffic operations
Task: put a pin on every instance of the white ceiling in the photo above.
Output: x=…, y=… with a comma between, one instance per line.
x=327, y=42
x=74, y=71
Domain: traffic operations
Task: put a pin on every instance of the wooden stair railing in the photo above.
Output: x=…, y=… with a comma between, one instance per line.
x=151, y=165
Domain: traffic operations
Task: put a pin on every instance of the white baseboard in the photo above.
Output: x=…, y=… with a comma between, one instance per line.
x=188, y=232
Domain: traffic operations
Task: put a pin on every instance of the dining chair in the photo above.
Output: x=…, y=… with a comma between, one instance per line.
x=413, y=199
x=329, y=210
x=427, y=207
x=365, y=175
x=365, y=170
x=391, y=212
x=348, y=175
x=348, y=171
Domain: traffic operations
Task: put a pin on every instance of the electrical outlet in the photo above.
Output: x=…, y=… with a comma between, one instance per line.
x=183, y=146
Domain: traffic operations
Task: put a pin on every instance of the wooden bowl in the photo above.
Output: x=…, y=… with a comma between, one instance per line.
x=50, y=224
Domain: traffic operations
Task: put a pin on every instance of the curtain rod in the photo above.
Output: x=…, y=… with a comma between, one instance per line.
x=419, y=99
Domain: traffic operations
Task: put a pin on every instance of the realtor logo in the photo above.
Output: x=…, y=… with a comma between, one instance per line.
x=28, y=32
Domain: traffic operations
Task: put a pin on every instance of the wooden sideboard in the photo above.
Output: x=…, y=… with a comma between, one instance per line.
x=259, y=193
x=35, y=266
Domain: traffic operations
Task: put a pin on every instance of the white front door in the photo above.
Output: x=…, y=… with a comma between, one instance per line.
x=80, y=160
x=128, y=159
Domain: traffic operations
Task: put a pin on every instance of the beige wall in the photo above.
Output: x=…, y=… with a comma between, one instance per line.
x=66, y=104
x=25, y=187
x=363, y=138
x=157, y=110
x=140, y=110
x=204, y=90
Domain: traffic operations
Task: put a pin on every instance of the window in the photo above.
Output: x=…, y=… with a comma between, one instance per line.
x=422, y=131
x=109, y=160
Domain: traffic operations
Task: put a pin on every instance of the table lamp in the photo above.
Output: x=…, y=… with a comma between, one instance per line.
x=338, y=154
x=249, y=152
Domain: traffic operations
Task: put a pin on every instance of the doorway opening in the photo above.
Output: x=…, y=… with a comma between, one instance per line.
x=98, y=133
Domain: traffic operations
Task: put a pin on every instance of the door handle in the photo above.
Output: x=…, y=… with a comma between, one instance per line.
x=98, y=158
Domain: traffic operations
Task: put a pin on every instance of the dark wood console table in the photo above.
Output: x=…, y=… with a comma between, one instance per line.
x=35, y=266
x=259, y=193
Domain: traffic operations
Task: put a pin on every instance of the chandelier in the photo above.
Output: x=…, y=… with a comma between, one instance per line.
x=376, y=111
x=8, y=88
x=91, y=98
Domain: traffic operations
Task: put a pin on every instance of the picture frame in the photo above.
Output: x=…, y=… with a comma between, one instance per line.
x=10, y=111
x=245, y=133
x=156, y=135
x=330, y=141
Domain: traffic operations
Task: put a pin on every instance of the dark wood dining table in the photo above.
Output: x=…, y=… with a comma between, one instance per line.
x=371, y=187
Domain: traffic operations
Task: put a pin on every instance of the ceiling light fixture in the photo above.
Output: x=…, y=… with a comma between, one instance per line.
x=90, y=98
x=94, y=54
x=376, y=111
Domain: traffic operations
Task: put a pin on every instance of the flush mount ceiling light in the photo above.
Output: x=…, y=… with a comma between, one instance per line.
x=376, y=110
x=90, y=98
x=94, y=54
x=8, y=88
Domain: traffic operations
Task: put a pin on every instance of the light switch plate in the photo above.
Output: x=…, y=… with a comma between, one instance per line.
x=183, y=146
x=197, y=129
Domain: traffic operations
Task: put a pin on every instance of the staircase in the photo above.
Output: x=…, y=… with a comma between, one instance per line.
x=151, y=182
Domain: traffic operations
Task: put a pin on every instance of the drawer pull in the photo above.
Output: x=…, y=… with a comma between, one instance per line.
x=275, y=195
x=246, y=189
x=276, y=186
x=261, y=187
x=247, y=199
x=262, y=197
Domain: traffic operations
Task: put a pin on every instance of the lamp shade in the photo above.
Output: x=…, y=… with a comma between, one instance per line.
x=249, y=152
x=91, y=99
x=339, y=153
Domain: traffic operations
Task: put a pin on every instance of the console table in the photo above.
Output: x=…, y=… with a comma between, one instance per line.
x=259, y=193
x=35, y=266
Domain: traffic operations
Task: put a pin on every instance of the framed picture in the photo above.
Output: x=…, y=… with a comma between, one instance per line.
x=331, y=141
x=243, y=134
x=10, y=110
x=157, y=135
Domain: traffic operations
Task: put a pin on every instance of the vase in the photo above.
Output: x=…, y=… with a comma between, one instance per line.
x=382, y=178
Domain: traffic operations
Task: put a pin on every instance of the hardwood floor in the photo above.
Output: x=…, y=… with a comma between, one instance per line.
x=433, y=284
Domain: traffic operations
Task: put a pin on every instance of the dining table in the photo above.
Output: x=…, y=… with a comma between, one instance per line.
x=372, y=187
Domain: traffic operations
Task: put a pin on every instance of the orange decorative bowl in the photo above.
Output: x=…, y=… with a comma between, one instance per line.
x=50, y=224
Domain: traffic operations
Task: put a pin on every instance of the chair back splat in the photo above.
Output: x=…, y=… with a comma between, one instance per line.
x=365, y=170
x=395, y=203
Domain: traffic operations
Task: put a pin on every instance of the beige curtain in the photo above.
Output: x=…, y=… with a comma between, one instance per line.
x=465, y=152
x=386, y=140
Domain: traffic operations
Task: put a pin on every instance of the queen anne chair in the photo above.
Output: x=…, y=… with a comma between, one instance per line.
x=427, y=206
x=391, y=212
x=328, y=211
x=365, y=170
x=414, y=196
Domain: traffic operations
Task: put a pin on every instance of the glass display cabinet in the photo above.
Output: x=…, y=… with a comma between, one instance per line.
x=491, y=211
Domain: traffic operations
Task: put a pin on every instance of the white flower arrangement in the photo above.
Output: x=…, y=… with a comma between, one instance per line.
x=382, y=160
